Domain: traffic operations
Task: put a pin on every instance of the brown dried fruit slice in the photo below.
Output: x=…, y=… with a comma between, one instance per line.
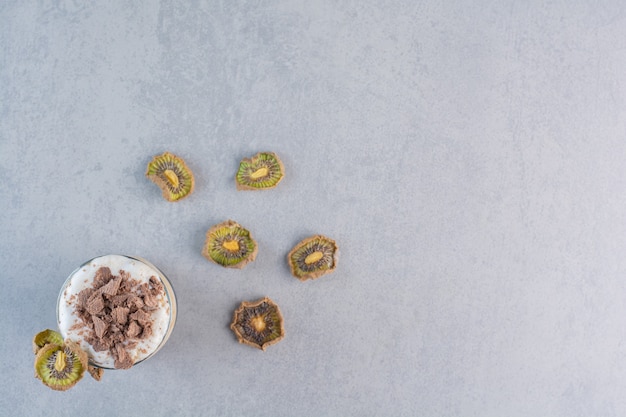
x=172, y=175
x=258, y=324
x=60, y=367
x=230, y=245
x=313, y=257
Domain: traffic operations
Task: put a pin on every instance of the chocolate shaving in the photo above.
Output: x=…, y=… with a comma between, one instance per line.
x=116, y=313
x=133, y=329
x=122, y=359
x=103, y=275
x=120, y=300
x=84, y=295
x=147, y=331
x=141, y=316
x=99, y=345
x=150, y=301
x=99, y=326
x=135, y=302
x=157, y=286
x=95, y=304
x=111, y=287
x=120, y=315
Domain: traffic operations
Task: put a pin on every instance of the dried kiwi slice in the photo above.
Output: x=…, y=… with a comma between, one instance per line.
x=60, y=367
x=230, y=245
x=46, y=337
x=172, y=175
x=258, y=324
x=264, y=170
x=313, y=257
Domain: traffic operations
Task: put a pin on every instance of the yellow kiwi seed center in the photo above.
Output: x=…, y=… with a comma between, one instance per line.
x=258, y=323
x=171, y=177
x=259, y=173
x=60, y=361
x=231, y=245
x=313, y=257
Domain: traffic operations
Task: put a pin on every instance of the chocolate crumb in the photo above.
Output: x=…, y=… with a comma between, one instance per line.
x=99, y=345
x=111, y=287
x=84, y=295
x=150, y=301
x=122, y=359
x=103, y=275
x=147, y=332
x=96, y=373
x=117, y=336
x=120, y=300
x=157, y=286
x=99, y=326
x=120, y=315
x=115, y=313
x=141, y=316
x=95, y=304
x=136, y=302
x=133, y=330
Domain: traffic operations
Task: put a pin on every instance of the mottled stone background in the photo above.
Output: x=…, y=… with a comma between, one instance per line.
x=469, y=157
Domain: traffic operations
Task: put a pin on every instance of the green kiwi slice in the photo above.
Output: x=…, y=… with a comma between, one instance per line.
x=260, y=172
x=172, y=175
x=258, y=324
x=60, y=367
x=313, y=257
x=46, y=337
x=230, y=245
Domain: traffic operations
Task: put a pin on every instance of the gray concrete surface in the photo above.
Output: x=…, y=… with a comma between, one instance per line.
x=468, y=157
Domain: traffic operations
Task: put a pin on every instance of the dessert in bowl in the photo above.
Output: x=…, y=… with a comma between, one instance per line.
x=119, y=309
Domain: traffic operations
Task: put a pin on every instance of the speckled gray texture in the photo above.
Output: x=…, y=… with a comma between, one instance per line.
x=468, y=158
